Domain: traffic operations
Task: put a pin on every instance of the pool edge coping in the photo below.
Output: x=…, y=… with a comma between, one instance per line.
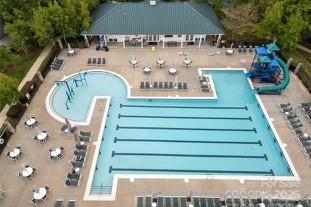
x=186, y=178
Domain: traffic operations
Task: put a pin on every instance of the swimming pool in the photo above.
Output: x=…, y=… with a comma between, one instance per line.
x=229, y=136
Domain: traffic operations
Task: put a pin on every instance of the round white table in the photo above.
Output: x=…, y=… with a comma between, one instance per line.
x=16, y=152
x=56, y=152
x=147, y=69
x=230, y=51
x=82, y=143
x=39, y=194
x=160, y=61
x=134, y=62
x=27, y=171
x=42, y=136
x=187, y=62
x=71, y=52
x=31, y=122
x=172, y=70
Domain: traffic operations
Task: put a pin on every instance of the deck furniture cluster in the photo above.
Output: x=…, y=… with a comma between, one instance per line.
x=96, y=61
x=57, y=64
x=296, y=125
x=163, y=85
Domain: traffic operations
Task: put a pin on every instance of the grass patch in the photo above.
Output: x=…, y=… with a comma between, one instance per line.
x=25, y=64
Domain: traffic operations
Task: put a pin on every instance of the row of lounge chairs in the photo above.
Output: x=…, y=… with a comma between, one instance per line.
x=96, y=61
x=244, y=49
x=57, y=63
x=196, y=201
x=296, y=126
x=77, y=163
x=60, y=203
x=163, y=86
x=306, y=107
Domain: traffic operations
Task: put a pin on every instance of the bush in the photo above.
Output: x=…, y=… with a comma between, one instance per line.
x=8, y=59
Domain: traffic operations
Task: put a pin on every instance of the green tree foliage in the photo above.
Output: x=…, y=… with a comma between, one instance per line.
x=8, y=90
x=285, y=20
x=7, y=59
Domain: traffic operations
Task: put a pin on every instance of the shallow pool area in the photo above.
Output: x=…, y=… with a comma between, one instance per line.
x=227, y=136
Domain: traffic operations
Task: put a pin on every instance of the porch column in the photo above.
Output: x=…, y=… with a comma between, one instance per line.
x=142, y=42
x=123, y=41
x=200, y=42
x=218, y=40
x=105, y=40
x=86, y=41
x=163, y=41
x=182, y=41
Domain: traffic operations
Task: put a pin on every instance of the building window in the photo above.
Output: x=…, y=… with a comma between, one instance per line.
x=168, y=35
x=187, y=37
x=191, y=38
x=179, y=35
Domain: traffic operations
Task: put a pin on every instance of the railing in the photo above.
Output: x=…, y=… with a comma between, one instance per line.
x=100, y=190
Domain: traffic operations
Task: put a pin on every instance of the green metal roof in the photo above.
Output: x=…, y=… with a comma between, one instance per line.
x=163, y=18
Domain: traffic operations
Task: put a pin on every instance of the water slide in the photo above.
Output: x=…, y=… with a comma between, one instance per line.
x=278, y=88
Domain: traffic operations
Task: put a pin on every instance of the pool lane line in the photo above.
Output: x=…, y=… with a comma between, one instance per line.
x=189, y=155
x=184, y=107
x=183, y=117
x=186, y=129
x=270, y=172
x=185, y=141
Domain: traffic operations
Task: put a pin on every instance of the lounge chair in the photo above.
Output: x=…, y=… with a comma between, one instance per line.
x=170, y=85
x=80, y=158
x=306, y=143
x=160, y=85
x=89, y=61
x=85, y=133
x=155, y=85
x=296, y=126
x=73, y=176
x=294, y=121
x=103, y=61
x=160, y=202
x=176, y=202
x=305, y=104
x=185, y=86
x=71, y=203
x=81, y=147
x=79, y=152
x=244, y=49
x=287, y=109
x=306, y=108
x=205, y=89
x=142, y=85
x=70, y=182
x=183, y=202
x=140, y=201
x=99, y=61
x=289, y=117
x=285, y=105
x=165, y=85
x=77, y=164
x=148, y=202
x=84, y=139
x=298, y=132
x=240, y=49
x=308, y=152
x=147, y=84
x=250, y=49
x=94, y=61
x=179, y=85
x=59, y=203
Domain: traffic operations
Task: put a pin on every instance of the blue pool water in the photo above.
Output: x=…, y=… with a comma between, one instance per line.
x=227, y=136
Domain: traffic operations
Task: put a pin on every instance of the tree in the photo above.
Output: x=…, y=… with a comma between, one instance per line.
x=284, y=21
x=8, y=90
x=7, y=59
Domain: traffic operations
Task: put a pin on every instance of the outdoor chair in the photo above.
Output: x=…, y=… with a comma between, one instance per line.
x=80, y=152
x=305, y=104
x=59, y=203
x=155, y=85
x=103, y=61
x=73, y=176
x=147, y=85
x=81, y=147
x=71, y=203
x=89, y=61
x=179, y=85
x=285, y=105
x=296, y=126
x=99, y=61
x=71, y=183
x=184, y=86
x=294, y=121
x=77, y=164
x=142, y=85
x=165, y=85
x=94, y=61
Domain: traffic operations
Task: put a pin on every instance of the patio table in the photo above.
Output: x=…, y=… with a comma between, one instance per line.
x=39, y=194
x=31, y=121
x=56, y=152
x=42, y=136
x=147, y=70
x=15, y=153
x=172, y=71
x=27, y=172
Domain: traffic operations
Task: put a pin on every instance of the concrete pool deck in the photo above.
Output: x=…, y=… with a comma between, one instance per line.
x=53, y=173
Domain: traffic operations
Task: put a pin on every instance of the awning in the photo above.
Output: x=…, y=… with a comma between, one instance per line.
x=272, y=47
x=264, y=59
x=261, y=51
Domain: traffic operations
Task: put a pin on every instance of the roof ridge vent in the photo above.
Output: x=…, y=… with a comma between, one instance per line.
x=152, y=2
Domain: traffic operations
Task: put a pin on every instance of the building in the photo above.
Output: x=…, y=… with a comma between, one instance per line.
x=155, y=23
